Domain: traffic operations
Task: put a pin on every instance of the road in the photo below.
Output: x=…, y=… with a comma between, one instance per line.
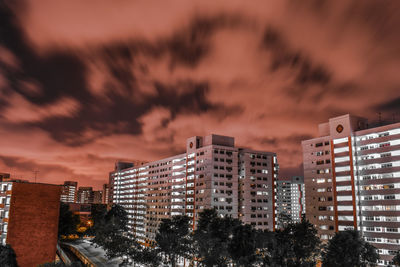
x=95, y=254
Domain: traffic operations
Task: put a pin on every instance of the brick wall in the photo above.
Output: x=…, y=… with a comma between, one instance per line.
x=33, y=222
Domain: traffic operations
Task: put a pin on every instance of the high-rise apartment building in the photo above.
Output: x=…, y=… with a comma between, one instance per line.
x=212, y=173
x=85, y=195
x=69, y=192
x=106, y=193
x=97, y=197
x=352, y=178
x=290, y=200
x=29, y=221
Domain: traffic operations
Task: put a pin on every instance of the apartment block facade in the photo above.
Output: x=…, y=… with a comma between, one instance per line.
x=85, y=195
x=106, y=193
x=29, y=221
x=352, y=179
x=69, y=192
x=290, y=200
x=97, y=197
x=212, y=173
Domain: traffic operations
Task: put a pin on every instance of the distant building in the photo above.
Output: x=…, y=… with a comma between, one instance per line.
x=4, y=176
x=352, y=178
x=84, y=211
x=290, y=200
x=106, y=193
x=212, y=173
x=29, y=220
x=69, y=192
x=85, y=195
x=97, y=197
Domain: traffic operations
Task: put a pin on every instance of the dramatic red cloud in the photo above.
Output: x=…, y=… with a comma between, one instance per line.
x=85, y=83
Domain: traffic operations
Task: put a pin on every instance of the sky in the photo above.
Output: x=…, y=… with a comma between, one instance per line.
x=86, y=83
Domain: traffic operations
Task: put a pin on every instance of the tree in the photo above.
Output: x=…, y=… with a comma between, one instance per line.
x=67, y=221
x=112, y=234
x=396, y=259
x=242, y=245
x=264, y=244
x=284, y=220
x=295, y=245
x=98, y=213
x=347, y=248
x=210, y=248
x=281, y=249
x=8, y=258
x=173, y=238
x=213, y=239
x=305, y=243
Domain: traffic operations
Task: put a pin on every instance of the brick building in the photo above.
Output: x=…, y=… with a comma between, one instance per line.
x=29, y=220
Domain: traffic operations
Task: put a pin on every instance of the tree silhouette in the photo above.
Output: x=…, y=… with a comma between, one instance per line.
x=347, y=248
x=173, y=238
x=8, y=258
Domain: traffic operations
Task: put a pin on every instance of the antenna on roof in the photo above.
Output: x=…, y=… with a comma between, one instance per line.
x=35, y=172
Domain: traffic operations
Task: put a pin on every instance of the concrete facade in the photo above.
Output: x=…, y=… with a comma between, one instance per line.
x=352, y=178
x=290, y=200
x=106, y=193
x=29, y=221
x=85, y=195
x=212, y=173
x=69, y=192
x=97, y=197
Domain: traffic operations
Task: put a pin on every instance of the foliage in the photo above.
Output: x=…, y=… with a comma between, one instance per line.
x=264, y=245
x=145, y=256
x=295, y=245
x=110, y=230
x=284, y=220
x=305, y=243
x=97, y=216
x=8, y=258
x=111, y=233
x=347, y=248
x=67, y=221
x=221, y=240
x=173, y=238
x=242, y=245
x=281, y=249
x=396, y=259
x=218, y=239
